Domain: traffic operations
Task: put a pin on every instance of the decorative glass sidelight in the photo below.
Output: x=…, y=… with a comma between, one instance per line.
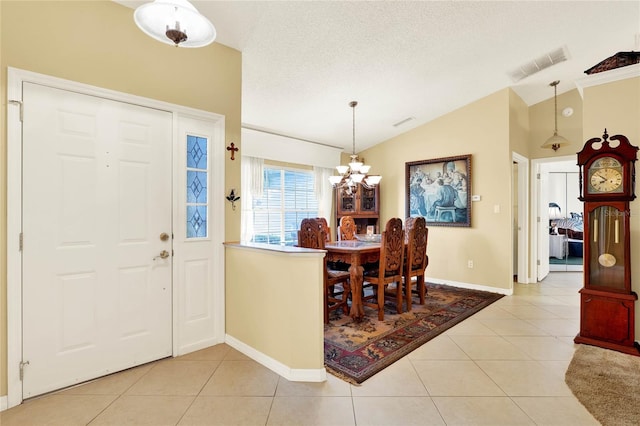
x=197, y=186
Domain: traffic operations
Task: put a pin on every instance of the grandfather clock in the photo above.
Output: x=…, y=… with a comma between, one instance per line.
x=606, y=300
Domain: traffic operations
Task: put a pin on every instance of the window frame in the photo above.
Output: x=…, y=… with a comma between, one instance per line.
x=283, y=211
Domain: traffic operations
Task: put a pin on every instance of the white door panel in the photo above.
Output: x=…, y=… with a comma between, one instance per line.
x=96, y=197
x=200, y=294
x=543, y=224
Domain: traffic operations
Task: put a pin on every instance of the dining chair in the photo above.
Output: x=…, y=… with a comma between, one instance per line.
x=311, y=235
x=347, y=228
x=417, y=259
x=322, y=222
x=390, y=268
x=336, y=266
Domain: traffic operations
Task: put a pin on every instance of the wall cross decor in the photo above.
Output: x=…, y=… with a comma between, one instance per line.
x=233, y=150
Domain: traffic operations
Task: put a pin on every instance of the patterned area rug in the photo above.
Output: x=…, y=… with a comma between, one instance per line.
x=356, y=350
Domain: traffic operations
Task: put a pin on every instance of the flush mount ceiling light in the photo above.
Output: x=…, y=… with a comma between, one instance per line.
x=175, y=22
x=555, y=141
x=356, y=172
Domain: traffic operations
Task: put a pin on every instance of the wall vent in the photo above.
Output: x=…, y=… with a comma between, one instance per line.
x=545, y=61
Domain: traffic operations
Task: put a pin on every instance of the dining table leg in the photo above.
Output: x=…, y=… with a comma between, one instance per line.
x=356, y=280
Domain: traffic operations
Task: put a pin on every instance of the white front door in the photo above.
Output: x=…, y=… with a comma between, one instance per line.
x=96, y=199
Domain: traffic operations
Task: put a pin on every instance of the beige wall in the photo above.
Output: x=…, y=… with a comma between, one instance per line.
x=616, y=107
x=519, y=127
x=97, y=43
x=482, y=130
x=261, y=311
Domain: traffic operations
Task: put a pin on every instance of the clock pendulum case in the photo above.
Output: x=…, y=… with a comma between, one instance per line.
x=607, y=316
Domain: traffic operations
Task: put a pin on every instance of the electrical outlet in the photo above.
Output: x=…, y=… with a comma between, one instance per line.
x=470, y=264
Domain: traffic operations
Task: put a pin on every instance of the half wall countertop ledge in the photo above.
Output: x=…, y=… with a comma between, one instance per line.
x=274, y=248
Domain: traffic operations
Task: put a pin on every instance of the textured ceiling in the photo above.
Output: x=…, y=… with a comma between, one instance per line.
x=304, y=61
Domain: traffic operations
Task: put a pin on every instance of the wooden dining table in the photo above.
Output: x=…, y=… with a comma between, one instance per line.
x=357, y=253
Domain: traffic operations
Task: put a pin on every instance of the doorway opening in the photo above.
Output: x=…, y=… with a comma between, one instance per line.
x=558, y=234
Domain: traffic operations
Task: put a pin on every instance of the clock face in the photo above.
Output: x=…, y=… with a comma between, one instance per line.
x=605, y=176
x=606, y=180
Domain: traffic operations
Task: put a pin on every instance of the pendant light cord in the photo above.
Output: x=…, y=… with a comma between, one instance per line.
x=555, y=101
x=353, y=105
x=555, y=104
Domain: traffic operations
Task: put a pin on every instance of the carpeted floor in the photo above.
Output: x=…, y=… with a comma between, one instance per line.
x=356, y=350
x=607, y=383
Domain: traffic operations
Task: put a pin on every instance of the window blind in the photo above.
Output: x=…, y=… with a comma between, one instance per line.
x=288, y=197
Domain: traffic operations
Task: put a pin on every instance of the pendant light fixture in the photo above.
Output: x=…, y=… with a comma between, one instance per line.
x=175, y=22
x=555, y=141
x=356, y=172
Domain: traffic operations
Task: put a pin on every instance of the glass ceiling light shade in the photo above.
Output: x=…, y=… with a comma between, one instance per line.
x=356, y=172
x=175, y=22
x=555, y=141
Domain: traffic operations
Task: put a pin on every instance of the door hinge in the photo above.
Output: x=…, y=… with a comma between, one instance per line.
x=14, y=102
x=538, y=219
x=21, y=242
x=538, y=262
x=22, y=365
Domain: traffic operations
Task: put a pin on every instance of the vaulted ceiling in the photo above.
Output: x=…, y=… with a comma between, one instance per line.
x=304, y=61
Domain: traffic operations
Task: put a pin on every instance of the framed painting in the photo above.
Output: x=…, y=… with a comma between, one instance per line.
x=440, y=190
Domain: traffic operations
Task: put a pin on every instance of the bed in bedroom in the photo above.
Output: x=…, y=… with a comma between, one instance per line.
x=566, y=237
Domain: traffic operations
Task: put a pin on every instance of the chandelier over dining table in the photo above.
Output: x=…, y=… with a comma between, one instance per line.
x=356, y=172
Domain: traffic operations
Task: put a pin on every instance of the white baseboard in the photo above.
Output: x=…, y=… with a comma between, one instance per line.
x=505, y=291
x=3, y=403
x=291, y=374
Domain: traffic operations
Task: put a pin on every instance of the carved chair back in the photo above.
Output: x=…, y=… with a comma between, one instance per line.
x=347, y=228
x=417, y=259
x=417, y=237
x=311, y=235
x=322, y=223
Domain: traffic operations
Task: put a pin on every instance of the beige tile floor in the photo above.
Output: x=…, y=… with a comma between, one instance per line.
x=503, y=366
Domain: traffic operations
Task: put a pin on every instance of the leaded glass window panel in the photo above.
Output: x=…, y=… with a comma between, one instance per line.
x=197, y=148
x=197, y=186
x=196, y=221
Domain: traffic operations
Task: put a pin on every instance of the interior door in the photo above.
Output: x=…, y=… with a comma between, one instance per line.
x=96, y=199
x=543, y=223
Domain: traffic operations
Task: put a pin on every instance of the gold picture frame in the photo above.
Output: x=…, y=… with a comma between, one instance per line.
x=440, y=190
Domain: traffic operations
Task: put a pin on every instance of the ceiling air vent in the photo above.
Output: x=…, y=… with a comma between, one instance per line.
x=545, y=61
x=401, y=122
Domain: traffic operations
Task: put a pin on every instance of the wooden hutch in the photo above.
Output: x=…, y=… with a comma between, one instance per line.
x=362, y=204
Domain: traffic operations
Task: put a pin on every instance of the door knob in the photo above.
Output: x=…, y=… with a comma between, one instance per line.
x=163, y=255
x=164, y=236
